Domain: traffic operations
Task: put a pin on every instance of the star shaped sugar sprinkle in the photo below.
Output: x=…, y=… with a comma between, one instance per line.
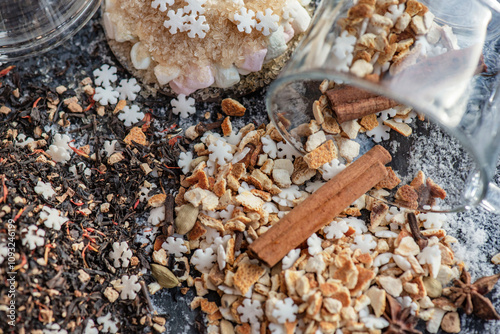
x=268, y=22
x=175, y=246
x=161, y=5
x=183, y=106
x=246, y=20
x=128, y=89
x=105, y=75
x=130, y=287
x=34, y=237
x=285, y=310
x=51, y=218
x=120, y=252
x=106, y=95
x=130, y=115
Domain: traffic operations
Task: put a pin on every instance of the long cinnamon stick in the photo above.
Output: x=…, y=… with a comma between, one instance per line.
x=350, y=103
x=322, y=206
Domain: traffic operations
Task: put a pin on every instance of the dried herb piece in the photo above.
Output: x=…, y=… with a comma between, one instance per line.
x=401, y=321
x=164, y=276
x=415, y=231
x=471, y=298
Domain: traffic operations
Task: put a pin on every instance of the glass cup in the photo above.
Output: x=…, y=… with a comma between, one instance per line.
x=437, y=77
x=28, y=27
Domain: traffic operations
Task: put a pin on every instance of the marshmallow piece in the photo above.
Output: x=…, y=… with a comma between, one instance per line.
x=196, y=78
x=110, y=5
x=226, y=77
x=253, y=62
x=276, y=44
x=164, y=74
x=121, y=32
x=289, y=33
x=140, y=57
x=301, y=19
x=109, y=26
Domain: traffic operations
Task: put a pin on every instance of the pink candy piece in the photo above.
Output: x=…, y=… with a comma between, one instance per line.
x=253, y=61
x=196, y=78
x=289, y=33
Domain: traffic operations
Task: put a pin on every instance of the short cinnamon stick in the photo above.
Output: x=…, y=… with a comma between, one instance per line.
x=350, y=103
x=322, y=207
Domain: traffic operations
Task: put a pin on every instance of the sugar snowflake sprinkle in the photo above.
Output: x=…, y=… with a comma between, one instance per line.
x=197, y=26
x=130, y=287
x=106, y=95
x=269, y=147
x=34, y=237
x=268, y=22
x=250, y=311
x=246, y=19
x=59, y=151
x=331, y=169
x=54, y=328
x=108, y=325
x=176, y=21
x=122, y=253
x=162, y=4
x=287, y=151
x=335, y=229
x=285, y=310
x=183, y=106
x=314, y=243
x=184, y=162
x=105, y=75
x=44, y=189
x=90, y=328
x=128, y=89
x=364, y=242
x=195, y=7
x=51, y=218
x=220, y=152
x=290, y=259
x=130, y=115
x=203, y=260
x=174, y=246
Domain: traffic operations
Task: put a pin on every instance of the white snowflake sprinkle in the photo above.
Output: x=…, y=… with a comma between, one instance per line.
x=250, y=311
x=157, y=215
x=174, y=246
x=364, y=242
x=240, y=155
x=220, y=152
x=59, y=151
x=195, y=7
x=203, y=260
x=197, y=26
x=287, y=151
x=357, y=224
x=379, y=133
x=342, y=52
x=121, y=252
x=285, y=310
x=90, y=328
x=431, y=255
x=51, y=218
x=4, y=251
x=268, y=22
x=313, y=186
x=221, y=257
x=183, y=106
x=290, y=259
x=269, y=146
x=34, y=237
x=108, y=325
x=130, y=115
x=44, y=189
x=372, y=322
x=176, y=21
x=290, y=193
x=184, y=162
x=162, y=4
x=130, y=287
x=128, y=89
x=276, y=328
x=109, y=147
x=270, y=207
x=314, y=243
x=106, y=95
x=246, y=19
x=335, y=229
x=331, y=169
x=105, y=75
x=54, y=328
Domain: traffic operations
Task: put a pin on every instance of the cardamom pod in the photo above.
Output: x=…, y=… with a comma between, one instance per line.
x=164, y=276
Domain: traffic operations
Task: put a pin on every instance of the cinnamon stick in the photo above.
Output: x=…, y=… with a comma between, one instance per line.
x=350, y=103
x=322, y=206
